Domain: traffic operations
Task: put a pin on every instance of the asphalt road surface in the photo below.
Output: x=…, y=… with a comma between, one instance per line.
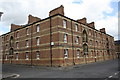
x=104, y=69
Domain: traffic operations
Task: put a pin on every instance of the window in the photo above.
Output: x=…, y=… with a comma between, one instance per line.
x=90, y=42
x=38, y=28
x=76, y=27
x=64, y=24
x=65, y=38
x=65, y=53
x=6, y=57
x=85, y=49
x=16, y=56
x=78, y=53
x=27, y=43
x=26, y=56
x=27, y=31
x=77, y=40
x=17, y=34
x=84, y=36
x=37, y=55
x=38, y=40
x=17, y=45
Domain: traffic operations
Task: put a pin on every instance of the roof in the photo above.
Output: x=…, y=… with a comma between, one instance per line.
x=51, y=17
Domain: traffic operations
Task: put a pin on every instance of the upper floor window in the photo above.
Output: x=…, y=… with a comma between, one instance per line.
x=27, y=31
x=84, y=36
x=38, y=40
x=17, y=34
x=27, y=43
x=65, y=38
x=37, y=55
x=77, y=40
x=65, y=53
x=64, y=24
x=76, y=27
x=38, y=28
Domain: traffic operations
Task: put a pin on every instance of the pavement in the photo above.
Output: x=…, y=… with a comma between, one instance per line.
x=104, y=69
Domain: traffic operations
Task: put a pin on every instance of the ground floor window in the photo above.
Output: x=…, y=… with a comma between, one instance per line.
x=65, y=53
x=37, y=55
x=78, y=53
x=16, y=56
x=27, y=56
x=6, y=57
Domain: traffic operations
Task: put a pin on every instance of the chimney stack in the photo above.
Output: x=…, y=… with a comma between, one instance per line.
x=32, y=19
x=59, y=10
x=14, y=27
x=92, y=25
x=83, y=20
x=103, y=30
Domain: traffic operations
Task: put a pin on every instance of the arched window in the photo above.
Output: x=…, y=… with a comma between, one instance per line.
x=11, y=51
x=84, y=36
x=11, y=41
x=85, y=48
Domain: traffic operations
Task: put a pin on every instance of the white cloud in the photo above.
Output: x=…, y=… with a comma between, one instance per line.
x=16, y=11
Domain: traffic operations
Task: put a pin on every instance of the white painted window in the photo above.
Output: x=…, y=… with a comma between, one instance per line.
x=16, y=56
x=27, y=31
x=76, y=27
x=65, y=38
x=27, y=43
x=65, y=53
x=38, y=41
x=78, y=53
x=64, y=24
x=38, y=28
x=77, y=40
x=37, y=55
x=26, y=56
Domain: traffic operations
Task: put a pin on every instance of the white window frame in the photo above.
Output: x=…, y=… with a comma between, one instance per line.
x=77, y=40
x=64, y=24
x=37, y=55
x=76, y=27
x=65, y=38
x=27, y=56
x=27, y=43
x=78, y=53
x=65, y=53
x=38, y=28
x=17, y=56
x=38, y=41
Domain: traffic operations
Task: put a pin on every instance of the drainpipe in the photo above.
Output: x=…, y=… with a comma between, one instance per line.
x=72, y=43
x=31, y=45
x=94, y=44
x=50, y=42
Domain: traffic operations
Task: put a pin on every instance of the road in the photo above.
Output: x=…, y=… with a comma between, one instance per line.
x=104, y=69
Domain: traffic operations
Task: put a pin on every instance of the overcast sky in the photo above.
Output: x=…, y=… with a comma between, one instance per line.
x=103, y=12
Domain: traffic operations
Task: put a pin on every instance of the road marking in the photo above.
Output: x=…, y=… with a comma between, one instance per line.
x=110, y=76
x=16, y=75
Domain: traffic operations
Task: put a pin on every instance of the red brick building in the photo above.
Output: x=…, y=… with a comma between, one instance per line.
x=56, y=41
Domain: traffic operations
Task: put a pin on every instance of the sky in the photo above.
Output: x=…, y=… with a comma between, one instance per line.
x=103, y=12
